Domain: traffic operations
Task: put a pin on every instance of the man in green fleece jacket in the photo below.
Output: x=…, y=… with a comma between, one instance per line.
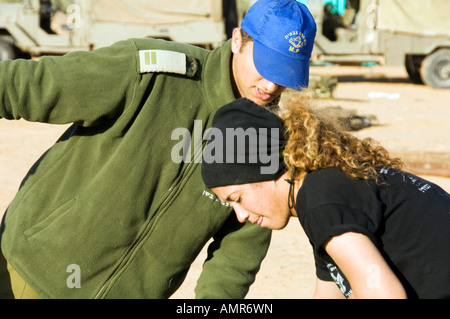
x=110, y=211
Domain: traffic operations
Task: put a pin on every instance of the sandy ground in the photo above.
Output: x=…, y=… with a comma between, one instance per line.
x=413, y=120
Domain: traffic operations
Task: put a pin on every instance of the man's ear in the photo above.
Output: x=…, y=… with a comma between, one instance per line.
x=236, y=41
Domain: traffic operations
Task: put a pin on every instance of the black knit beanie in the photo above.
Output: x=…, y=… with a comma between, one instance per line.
x=245, y=146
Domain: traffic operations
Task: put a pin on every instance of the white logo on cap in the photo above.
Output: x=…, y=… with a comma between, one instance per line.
x=297, y=41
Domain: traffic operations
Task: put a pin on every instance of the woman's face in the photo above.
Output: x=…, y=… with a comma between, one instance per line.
x=263, y=203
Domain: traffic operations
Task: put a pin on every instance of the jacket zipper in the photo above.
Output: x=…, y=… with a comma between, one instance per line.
x=172, y=191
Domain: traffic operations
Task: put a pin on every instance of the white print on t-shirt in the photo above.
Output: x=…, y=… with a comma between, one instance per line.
x=339, y=280
x=421, y=184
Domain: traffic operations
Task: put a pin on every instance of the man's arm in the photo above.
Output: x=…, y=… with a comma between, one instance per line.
x=234, y=258
x=80, y=87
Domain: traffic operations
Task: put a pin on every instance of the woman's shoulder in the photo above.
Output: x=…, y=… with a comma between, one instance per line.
x=327, y=177
x=333, y=186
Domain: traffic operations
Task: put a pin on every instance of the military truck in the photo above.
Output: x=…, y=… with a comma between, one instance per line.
x=54, y=27
x=413, y=33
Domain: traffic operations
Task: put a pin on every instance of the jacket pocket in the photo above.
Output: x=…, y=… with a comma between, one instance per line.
x=53, y=218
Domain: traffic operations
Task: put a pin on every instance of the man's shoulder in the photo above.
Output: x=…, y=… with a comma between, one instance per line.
x=161, y=44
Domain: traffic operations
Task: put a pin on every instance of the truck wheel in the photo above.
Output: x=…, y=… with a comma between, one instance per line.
x=7, y=51
x=435, y=69
x=412, y=65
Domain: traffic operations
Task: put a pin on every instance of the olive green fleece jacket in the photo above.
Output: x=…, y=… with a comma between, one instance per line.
x=107, y=202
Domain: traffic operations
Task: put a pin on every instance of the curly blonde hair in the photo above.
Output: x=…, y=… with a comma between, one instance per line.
x=314, y=142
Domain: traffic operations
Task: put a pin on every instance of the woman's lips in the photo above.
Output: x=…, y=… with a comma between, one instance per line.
x=260, y=220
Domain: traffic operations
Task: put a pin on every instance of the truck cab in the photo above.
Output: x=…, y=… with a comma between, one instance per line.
x=413, y=33
x=55, y=27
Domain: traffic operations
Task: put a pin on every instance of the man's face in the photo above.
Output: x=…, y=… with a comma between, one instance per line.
x=248, y=82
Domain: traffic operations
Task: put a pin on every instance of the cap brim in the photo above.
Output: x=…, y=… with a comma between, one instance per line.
x=281, y=69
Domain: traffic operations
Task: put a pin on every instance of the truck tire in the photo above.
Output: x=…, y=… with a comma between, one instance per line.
x=435, y=69
x=412, y=65
x=7, y=51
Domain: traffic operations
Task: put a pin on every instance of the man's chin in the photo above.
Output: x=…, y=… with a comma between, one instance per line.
x=259, y=101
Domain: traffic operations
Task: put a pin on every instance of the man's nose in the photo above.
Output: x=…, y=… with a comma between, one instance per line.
x=269, y=87
x=241, y=214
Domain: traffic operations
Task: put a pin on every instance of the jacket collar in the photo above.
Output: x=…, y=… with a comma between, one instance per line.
x=217, y=77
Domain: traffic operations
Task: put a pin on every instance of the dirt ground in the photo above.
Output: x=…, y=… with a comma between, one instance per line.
x=413, y=121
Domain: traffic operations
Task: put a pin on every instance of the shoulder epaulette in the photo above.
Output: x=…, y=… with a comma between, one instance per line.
x=164, y=61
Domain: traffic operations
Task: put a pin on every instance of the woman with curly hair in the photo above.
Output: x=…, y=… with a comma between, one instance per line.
x=376, y=231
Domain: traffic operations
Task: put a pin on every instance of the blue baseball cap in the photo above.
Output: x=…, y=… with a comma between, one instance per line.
x=283, y=33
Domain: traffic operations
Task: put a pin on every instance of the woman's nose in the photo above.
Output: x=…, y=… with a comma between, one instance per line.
x=241, y=214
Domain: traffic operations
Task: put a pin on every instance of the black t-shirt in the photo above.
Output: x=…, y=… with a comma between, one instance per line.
x=407, y=218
